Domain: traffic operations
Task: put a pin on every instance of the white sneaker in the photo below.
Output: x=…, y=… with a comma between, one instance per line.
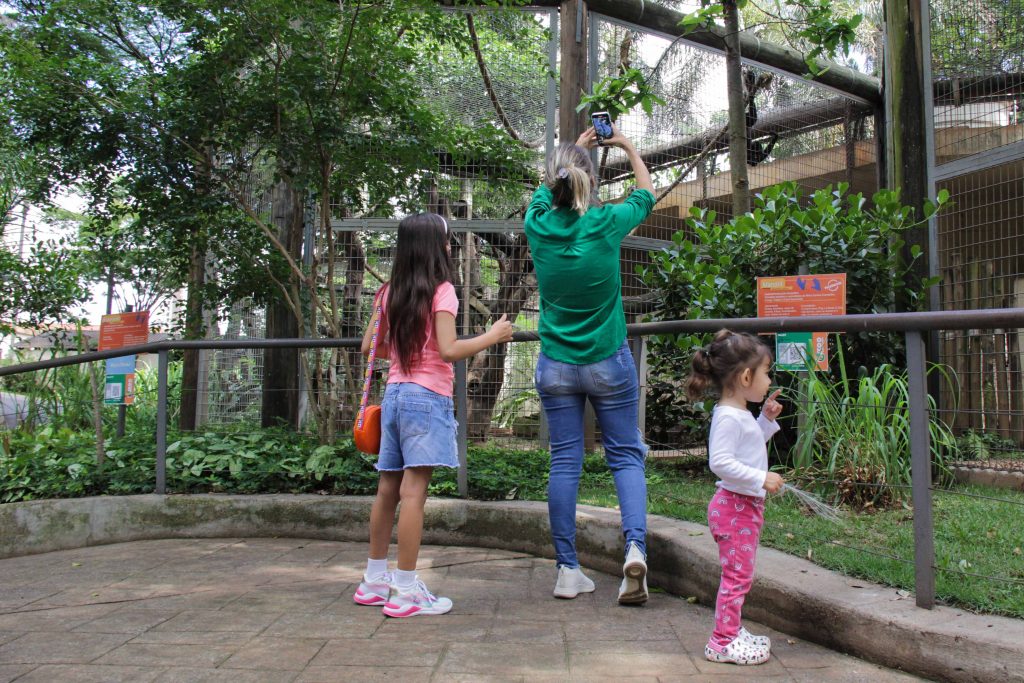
x=759, y=641
x=739, y=651
x=633, y=590
x=375, y=590
x=417, y=600
x=571, y=582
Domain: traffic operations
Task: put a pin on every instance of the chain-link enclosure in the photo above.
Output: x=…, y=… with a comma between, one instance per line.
x=977, y=52
x=798, y=131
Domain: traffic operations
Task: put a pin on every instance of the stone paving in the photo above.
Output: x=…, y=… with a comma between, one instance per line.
x=281, y=610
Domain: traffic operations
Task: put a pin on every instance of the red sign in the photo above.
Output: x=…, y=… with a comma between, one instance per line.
x=801, y=295
x=124, y=329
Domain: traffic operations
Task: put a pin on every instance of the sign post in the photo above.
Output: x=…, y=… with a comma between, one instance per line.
x=117, y=331
x=801, y=295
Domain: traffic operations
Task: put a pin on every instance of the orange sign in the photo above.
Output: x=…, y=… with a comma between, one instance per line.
x=801, y=295
x=124, y=329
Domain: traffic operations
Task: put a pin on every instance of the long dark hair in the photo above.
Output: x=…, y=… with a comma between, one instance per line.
x=422, y=262
x=714, y=367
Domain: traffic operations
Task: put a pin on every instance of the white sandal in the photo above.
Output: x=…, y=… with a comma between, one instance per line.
x=739, y=651
x=759, y=641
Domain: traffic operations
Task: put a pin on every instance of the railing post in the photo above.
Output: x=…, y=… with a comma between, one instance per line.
x=161, y=423
x=921, y=473
x=462, y=408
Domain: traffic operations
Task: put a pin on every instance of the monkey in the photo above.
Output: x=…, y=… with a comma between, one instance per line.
x=757, y=149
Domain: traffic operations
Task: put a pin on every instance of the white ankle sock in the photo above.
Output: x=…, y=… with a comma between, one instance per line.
x=405, y=580
x=376, y=567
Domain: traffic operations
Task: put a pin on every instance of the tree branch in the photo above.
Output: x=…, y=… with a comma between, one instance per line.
x=505, y=122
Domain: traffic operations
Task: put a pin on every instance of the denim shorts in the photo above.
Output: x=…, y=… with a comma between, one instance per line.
x=418, y=429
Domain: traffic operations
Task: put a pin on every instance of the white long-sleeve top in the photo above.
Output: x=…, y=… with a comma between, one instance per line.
x=737, y=453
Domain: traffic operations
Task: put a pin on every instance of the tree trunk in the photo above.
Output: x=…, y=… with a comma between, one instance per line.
x=573, y=72
x=907, y=161
x=193, y=330
x=737, y=111
x=486, y=375
x=280, y=399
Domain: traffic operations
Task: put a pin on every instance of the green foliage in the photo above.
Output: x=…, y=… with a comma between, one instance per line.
x=816, y=23
x=976, y=445
x=57, y=462
x=854, y=442
x=711, y=270
x=44, y=286
x=620, y=93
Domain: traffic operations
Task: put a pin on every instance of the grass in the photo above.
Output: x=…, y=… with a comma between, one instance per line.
x=972, y=536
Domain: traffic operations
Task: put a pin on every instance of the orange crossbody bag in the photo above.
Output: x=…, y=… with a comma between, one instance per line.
x=366, y=431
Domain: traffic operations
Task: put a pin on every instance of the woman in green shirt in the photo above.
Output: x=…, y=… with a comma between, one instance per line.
x=575, y=244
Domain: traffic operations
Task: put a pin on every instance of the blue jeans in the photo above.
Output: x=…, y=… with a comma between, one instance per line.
x=612, y=387
x=417, y=429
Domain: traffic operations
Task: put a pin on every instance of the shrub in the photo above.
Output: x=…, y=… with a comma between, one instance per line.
x=711, y=274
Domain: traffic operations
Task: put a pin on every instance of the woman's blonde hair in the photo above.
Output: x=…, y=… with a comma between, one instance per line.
x=569, y=177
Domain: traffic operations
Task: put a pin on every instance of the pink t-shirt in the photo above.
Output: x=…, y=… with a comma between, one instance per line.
x=430, y=371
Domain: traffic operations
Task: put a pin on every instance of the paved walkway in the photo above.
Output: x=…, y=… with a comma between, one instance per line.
x=281, y=610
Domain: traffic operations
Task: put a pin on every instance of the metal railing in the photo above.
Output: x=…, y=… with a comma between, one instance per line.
x=913, y=325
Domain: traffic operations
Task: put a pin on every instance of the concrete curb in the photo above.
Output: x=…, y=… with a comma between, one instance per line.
x=791, y=595
x=988, y=476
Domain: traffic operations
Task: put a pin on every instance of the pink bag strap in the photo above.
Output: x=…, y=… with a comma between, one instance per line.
x=368, y=375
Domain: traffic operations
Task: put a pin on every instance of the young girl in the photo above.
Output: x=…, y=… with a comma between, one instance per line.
x=736, y=367
x=417, y=416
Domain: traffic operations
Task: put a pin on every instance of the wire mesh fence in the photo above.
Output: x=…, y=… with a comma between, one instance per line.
x=977, y=57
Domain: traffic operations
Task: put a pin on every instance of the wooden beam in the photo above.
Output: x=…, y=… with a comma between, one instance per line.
x=786, y=122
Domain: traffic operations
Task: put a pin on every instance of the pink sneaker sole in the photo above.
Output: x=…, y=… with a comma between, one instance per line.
x=400, y=611
x=361, y=598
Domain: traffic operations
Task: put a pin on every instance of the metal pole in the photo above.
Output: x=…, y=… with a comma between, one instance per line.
x=462, y=408
x=161, y=423
x=551, y=115
x=928, y=91
x=122, y=409
x=921, y=474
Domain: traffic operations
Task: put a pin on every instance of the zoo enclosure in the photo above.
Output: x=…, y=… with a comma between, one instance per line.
x=805, y=132
x=913, y=325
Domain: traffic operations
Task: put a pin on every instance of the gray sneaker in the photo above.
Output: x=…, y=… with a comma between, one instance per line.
x=633, y=590
x=571, y=582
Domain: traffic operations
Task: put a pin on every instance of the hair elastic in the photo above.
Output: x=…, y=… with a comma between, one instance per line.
x=563, y=172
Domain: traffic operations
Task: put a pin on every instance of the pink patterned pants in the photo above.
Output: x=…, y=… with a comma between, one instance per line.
x=735, y=521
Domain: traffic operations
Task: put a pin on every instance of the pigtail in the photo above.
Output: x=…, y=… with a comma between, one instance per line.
x=701, y=376
x=714, y=366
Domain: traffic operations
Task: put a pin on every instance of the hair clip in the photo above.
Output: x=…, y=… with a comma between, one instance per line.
x=563, y=172
x=707, y=351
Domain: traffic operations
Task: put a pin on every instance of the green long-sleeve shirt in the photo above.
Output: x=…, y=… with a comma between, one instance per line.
x=577, y=262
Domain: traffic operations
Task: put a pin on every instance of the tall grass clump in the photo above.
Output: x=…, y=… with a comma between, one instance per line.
x=854, y=443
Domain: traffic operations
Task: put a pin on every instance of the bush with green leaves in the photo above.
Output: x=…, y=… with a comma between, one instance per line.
x=57, y=462
x=710, y=271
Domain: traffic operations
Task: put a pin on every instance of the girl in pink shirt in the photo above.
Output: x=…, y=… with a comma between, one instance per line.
x=418, y=425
